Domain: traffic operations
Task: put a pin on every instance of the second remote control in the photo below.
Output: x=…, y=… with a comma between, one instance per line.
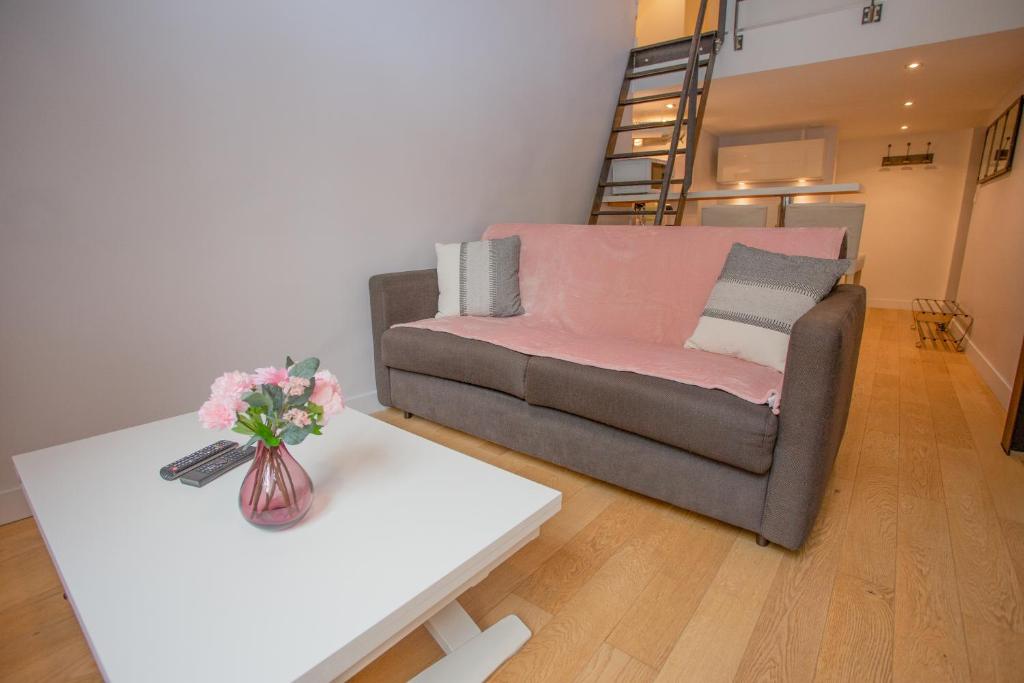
x=208, y=471
x=180, y=467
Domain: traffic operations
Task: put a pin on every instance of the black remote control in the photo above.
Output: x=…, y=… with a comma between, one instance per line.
x=180, y=467
x=225, y=462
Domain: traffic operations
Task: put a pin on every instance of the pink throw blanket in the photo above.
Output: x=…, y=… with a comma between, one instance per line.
x=626, y=298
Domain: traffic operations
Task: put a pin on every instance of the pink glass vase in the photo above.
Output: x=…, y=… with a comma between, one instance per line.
x=276, y=492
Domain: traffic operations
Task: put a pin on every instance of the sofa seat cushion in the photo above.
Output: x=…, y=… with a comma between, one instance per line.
x=707, y=422
x=440, y=354
x=531, y=336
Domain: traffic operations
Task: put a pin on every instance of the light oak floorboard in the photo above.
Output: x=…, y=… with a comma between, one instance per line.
x=929, y=643
x=563, y=648
x=534, y=617
x=609, y=665
x=914, y=571
x=785, y=641
x=985, y=573
x=857, y=641
x=651, y=627
x=1014, y=532
x=869, y=550
x=712, y=644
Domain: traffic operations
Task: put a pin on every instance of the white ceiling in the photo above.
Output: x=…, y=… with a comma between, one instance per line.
x=958, y=85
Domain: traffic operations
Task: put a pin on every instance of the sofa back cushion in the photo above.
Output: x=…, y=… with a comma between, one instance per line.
x=758, y=298
x=648, y=284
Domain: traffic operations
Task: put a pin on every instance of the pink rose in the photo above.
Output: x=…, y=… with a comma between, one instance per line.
x=229, y=387
x=297, y=417
x=217, y=414
x=270, y=375
x=327, y=394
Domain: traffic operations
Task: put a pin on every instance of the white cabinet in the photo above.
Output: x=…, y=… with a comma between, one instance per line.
x=772, y=162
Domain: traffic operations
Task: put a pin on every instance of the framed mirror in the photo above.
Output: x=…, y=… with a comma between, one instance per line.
x=1000, y=143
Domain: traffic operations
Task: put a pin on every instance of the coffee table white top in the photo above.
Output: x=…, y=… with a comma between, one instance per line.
x=170, y=583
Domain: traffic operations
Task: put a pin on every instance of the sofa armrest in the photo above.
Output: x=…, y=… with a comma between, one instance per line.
x=820, y=368
x=398, y=298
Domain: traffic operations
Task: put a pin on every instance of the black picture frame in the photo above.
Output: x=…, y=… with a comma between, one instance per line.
x=1001, y=143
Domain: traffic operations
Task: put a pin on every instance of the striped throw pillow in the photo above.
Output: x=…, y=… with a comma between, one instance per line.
x=758, y=298
x=479, y=278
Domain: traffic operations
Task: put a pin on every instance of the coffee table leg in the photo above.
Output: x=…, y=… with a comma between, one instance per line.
x=471, y=655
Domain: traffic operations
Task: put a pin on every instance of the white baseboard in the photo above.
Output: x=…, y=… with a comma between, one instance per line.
x=13, y=505
x=999, y=385
x=364, y=403
x=901, y=304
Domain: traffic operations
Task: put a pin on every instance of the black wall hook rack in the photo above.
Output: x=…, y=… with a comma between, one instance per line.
x=908, y=159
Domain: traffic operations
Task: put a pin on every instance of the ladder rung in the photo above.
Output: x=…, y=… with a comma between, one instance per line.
x=627, y=212
x=672, y=41
x=645, y=126
x=638, y=183
x=644, y=73
x=670, y=50
x=654, y=98
x=650, y=153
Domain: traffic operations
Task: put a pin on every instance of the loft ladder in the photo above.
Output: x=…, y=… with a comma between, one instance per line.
x=675, y=56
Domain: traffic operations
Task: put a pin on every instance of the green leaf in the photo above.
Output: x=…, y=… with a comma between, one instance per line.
x=288, y=362
x=241, y=429
x=314, y=409
x=293, y=435
x=305, y=368
x=264, y=432
x=257, y=399
x=276, y=396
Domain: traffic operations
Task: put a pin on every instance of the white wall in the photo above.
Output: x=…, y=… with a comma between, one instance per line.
x=188, y=187
x=911, y=217
x=660, y=20
x=992, y=280
x=836, y=34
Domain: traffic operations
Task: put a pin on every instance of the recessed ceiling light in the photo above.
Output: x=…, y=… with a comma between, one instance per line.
x=914, y=65
x=637, y=142
x=904, y=127
x=670, y=106
x=908, y=103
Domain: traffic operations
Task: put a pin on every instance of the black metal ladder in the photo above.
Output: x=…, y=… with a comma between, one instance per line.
x=690, y=56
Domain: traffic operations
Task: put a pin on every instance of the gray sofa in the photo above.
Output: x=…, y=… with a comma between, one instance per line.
x=700, y=449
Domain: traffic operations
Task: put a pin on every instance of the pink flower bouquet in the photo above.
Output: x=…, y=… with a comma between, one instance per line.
x=274, y=405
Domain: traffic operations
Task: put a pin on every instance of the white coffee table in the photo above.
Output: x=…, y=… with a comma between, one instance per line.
x=169, y=582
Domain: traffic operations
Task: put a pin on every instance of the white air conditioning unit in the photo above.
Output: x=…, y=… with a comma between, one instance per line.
x=772, y=162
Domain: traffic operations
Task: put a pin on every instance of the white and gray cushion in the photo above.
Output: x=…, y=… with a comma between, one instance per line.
x=757, y=299
x=479, y=278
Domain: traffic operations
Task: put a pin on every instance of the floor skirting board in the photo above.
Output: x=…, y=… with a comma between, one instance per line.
x=999, y=385
x=13, y=505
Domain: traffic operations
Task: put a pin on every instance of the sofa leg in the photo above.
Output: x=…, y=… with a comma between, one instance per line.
x=761, y=540
x=407, y=414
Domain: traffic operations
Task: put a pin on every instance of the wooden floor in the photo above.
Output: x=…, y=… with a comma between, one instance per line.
x=914, y=572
